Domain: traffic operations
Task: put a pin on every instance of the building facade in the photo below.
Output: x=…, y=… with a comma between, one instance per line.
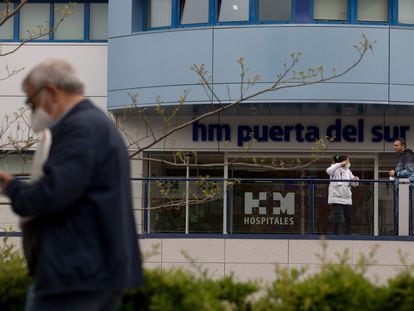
x=137, y=58
x=152, y=49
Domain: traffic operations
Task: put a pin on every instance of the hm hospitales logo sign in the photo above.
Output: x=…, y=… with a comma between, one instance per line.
x=269, y=208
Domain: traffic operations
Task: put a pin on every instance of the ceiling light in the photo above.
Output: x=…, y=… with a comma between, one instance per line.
x=235, y=7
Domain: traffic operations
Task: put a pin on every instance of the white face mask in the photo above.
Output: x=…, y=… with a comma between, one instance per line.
x=348, y=165
x=40, y=118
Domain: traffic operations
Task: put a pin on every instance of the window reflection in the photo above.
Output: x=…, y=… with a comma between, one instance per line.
x=373, y=10
x=234, y=10
x=406, y=12
x=275, y=10
x=71, y=28
x=330, y=9
x=6, y=30
x=34, y=20
x=99, y=21
x=194, y=11
x=159, y=13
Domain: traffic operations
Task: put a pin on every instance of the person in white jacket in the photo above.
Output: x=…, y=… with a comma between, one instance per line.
x=340, y=194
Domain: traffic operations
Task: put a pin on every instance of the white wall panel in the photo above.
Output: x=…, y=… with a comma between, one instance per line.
x=260, y=263
x=90, y=60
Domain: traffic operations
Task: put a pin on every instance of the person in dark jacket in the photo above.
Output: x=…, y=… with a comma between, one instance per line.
x=86, y=250
x=405, y=165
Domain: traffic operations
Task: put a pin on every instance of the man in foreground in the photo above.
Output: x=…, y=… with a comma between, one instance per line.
x=85, y=252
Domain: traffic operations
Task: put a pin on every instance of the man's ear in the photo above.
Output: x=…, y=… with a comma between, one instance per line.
x=51, y=87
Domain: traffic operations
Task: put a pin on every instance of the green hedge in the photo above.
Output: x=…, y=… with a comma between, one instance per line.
x=178, y=290
x=337, y=286
x=14, y=278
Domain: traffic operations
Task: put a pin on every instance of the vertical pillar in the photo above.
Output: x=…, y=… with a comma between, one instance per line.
x=403, y=206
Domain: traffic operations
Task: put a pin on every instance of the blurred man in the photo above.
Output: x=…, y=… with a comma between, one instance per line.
x=85, y=252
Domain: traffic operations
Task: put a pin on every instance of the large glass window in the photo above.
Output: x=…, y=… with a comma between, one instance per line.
x=43, y=17
x=99, y=21
x=34, y=20
x=159, y=13
x=194, y=11
x=406, y=11
x=296, y=195
x=373, y=10
x=6, y=30
x=234, y=10
x=330, y=9
x=167, y=198
x=71, y=28
x=275, y=10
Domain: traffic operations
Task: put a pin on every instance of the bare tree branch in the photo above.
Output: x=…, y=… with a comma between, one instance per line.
x=10, y=11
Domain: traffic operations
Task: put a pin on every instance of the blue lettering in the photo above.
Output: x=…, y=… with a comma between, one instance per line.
x=263, y=133
x=360, y=130
x=288, y=128
x=202, y=128
x=276, y=133
x=244, y=133
x=349, y=133
x=256, y=134
x=377, y=134
x=312, y=133
x=298, y=129
x=334, y=131
x=387, y=133
x=218, y=129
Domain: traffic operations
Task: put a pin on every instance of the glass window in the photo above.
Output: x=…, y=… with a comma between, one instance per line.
x=373, y=10
x=159, y=13
x=274, y=10
x=234, y=10
x=34, y=20
x=205, y=214
x=72, y=27
x=99, y=21
x=330, y=9
x=16, y=164
x=6, y=30
x=194, y=11
x=406, y=11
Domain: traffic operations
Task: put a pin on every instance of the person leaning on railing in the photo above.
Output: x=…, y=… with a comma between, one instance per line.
x=405, y=165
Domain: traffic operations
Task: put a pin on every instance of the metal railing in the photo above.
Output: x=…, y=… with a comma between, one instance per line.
x=270, y=206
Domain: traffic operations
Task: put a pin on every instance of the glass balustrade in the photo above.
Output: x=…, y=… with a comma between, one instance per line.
x=264, y=206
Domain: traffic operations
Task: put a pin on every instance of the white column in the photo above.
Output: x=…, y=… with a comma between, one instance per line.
x=376, y=217
x=403, y=206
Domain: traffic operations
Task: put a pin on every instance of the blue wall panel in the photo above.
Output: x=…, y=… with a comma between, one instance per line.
x=402, y=65
x=158, y=62
x=120, y=18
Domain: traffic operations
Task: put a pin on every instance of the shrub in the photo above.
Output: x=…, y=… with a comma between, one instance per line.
x=398, y=295
x=14, y=278
x=179, y=290
x=335, y=287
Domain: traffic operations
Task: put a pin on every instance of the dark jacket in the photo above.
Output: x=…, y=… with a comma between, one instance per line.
x=405, y=165
x=87, y=238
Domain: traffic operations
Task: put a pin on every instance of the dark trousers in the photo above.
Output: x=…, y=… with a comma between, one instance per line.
x=336, y=217
x=106, y=300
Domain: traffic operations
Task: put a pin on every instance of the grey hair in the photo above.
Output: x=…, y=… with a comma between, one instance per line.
x=56, y=72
